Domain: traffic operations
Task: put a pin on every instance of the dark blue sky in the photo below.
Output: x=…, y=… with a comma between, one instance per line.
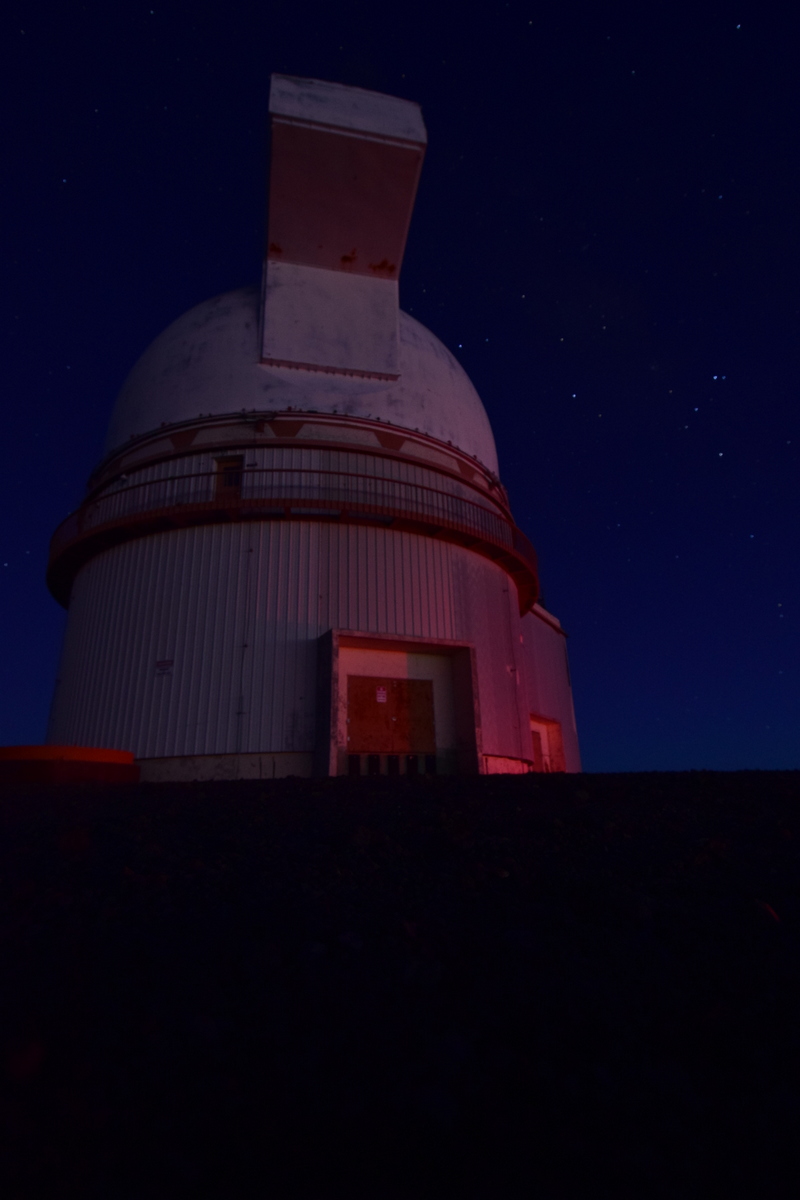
x=606, y=235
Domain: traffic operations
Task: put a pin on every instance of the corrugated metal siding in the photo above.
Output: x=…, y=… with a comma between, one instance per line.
x=548, y=683
x=489, y=617
x=297, y=467
x=238, y=609
x=281, y=475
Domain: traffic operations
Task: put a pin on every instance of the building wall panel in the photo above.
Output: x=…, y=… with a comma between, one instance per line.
x=203, y=641
x=487, y=617
x=236, y=610
x=548, y=682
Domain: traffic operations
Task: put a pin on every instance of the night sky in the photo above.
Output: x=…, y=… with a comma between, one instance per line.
x=605, y=235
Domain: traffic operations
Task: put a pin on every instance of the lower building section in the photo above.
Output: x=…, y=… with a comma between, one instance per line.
x=189, y=768
x=222, y=767
x=496, y=764
x=225, y=767
x=410, y=765
x=264, y=649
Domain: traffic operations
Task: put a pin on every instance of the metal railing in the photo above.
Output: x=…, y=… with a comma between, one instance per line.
x=265, y=493
x=288, y=486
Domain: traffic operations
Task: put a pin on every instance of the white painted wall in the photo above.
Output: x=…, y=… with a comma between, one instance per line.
x=237, y=610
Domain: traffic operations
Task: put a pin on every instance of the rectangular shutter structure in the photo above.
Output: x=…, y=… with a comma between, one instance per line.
x=344, y=170
x=390, y=716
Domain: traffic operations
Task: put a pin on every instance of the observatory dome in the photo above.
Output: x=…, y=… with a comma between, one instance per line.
x=207, y=364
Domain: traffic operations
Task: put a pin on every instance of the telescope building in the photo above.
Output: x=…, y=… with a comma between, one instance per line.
x=297, y=557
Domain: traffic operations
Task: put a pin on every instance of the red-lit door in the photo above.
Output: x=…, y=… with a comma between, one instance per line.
x=390, y=716
x=548, y=745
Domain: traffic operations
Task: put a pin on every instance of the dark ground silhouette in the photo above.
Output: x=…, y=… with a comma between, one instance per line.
x=548, y=986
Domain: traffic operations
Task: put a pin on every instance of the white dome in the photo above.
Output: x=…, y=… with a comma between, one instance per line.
x=207, y=364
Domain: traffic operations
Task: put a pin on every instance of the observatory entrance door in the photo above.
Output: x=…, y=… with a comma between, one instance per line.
x=398, y=706
x=390, y=725
x=548, y=744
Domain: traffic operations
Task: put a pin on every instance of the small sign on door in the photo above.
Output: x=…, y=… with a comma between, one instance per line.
x=380, y=695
